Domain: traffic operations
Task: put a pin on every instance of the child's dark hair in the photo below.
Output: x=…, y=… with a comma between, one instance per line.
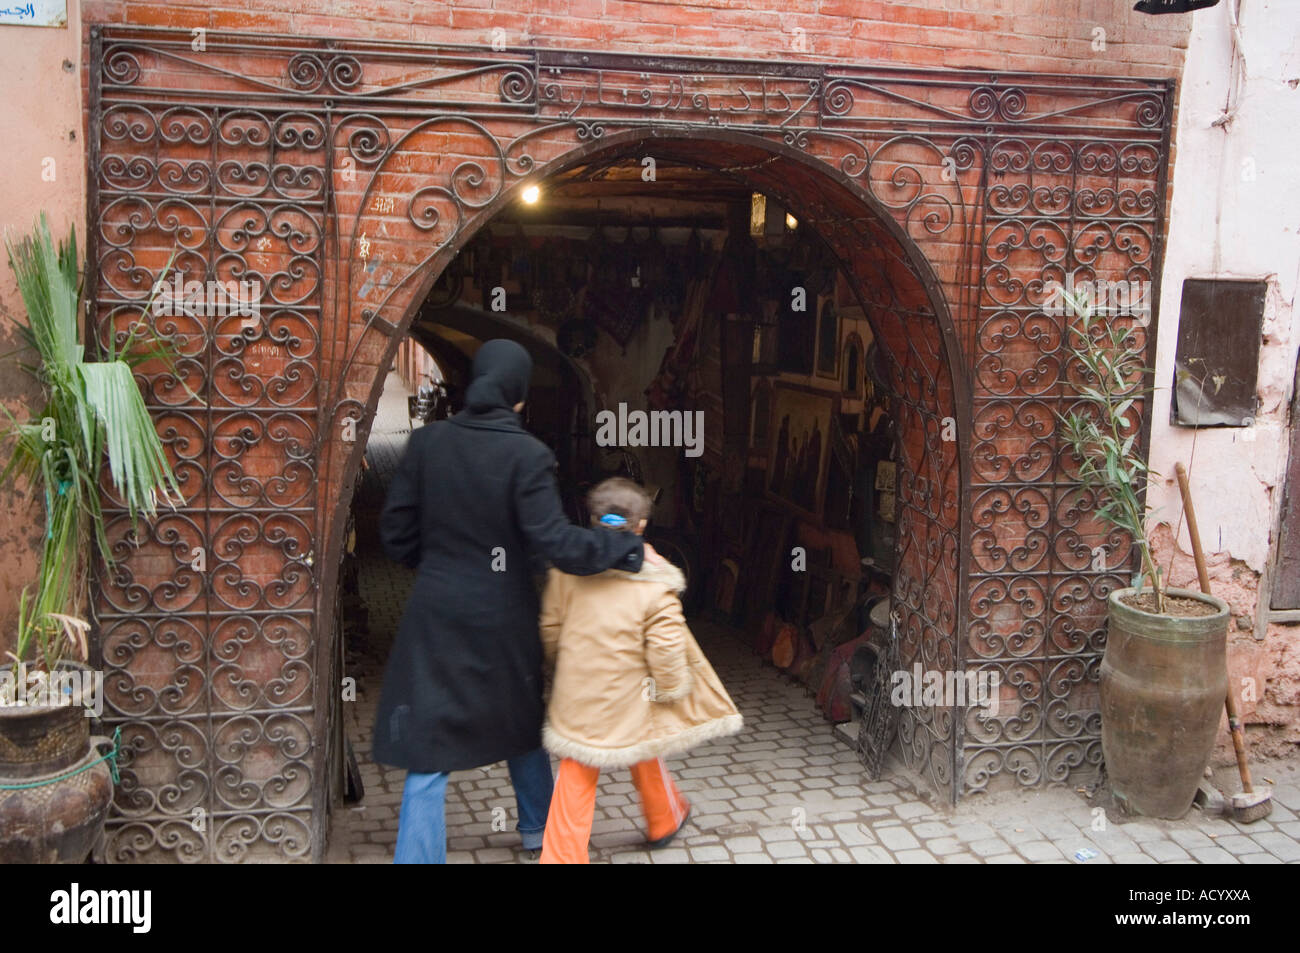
x=618, y=497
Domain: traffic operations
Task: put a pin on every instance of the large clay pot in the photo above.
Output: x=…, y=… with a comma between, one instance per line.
x=58, y=821
x=1163, y=682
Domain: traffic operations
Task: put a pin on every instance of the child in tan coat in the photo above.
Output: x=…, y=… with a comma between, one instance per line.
x=631, y=685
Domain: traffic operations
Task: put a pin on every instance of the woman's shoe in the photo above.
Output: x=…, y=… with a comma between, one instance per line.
x=668, y=838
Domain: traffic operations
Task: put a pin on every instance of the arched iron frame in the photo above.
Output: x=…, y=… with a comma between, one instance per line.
x=246, y=171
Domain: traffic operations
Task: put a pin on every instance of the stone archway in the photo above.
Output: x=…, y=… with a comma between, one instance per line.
x=343, y=177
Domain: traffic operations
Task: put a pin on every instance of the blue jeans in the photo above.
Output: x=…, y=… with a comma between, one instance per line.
x=422, y=824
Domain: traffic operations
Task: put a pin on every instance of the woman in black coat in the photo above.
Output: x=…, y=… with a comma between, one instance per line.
x=471, y=505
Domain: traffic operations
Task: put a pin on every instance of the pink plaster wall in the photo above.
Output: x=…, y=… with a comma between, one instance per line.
x=41, y=118
x=1265, y=675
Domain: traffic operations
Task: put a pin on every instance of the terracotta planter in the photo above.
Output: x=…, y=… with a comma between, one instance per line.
x=59, y=821
x=1163, y=682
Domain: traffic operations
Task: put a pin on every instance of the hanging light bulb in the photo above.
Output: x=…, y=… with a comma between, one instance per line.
x=531, y=194
x=791, y=222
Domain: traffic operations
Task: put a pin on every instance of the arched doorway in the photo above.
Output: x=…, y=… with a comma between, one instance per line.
x=897, y=290
x=349, y=179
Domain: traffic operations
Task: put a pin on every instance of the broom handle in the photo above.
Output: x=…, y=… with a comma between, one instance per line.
x=1194, y=533
x=1193, y=530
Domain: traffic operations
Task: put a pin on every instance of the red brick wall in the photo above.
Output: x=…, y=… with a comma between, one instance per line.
x=1038, y=35
x=414, y=364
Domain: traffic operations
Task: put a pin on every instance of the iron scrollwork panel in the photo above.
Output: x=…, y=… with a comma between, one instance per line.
x=205, y=622
x=1060, y=213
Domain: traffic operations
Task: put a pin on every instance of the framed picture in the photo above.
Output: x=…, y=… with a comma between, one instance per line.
x=828, y=340
x=760, y=415
x=799, y=439
x=874, y=366
x=886, y=476
x=854, y=354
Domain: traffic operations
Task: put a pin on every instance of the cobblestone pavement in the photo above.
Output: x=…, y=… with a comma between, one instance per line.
x=785, y=790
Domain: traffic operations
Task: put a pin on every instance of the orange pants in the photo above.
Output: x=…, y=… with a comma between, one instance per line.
x=568, y=826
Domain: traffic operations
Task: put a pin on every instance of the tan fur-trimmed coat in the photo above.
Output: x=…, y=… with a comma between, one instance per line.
x=630, y=680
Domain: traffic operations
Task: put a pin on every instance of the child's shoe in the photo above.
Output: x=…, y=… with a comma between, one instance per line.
x=668, y=838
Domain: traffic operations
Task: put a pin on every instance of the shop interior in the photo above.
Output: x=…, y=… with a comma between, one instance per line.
x=666, y=288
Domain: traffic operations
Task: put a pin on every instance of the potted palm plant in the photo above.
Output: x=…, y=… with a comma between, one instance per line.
x=55, y=786
x=1163, y=675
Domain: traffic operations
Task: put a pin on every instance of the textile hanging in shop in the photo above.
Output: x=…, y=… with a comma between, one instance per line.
x=616, y=299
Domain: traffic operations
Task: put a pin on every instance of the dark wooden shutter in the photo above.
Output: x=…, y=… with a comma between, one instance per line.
x=1217, y=362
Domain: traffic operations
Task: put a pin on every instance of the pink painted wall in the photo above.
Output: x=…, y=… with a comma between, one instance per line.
x=41, y=121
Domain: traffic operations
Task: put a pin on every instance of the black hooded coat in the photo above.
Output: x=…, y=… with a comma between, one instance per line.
x=472, y=502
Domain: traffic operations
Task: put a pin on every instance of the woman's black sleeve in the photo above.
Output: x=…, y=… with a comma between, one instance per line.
x=572, y=549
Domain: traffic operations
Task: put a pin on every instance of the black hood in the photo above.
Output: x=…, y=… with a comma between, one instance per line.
x=502, y=372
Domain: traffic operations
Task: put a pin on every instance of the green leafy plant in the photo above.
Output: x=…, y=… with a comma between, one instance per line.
x=93, y=411
x=1103, y=432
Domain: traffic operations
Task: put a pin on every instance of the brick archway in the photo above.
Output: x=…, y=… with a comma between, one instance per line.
x=344, y=175
x=888, y=273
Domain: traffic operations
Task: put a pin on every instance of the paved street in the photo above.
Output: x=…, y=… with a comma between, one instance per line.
x=785, y=790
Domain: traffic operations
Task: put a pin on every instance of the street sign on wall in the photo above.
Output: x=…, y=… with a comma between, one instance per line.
x=34, y=13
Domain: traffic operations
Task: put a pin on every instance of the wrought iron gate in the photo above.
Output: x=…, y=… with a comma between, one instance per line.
x=340, y=175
